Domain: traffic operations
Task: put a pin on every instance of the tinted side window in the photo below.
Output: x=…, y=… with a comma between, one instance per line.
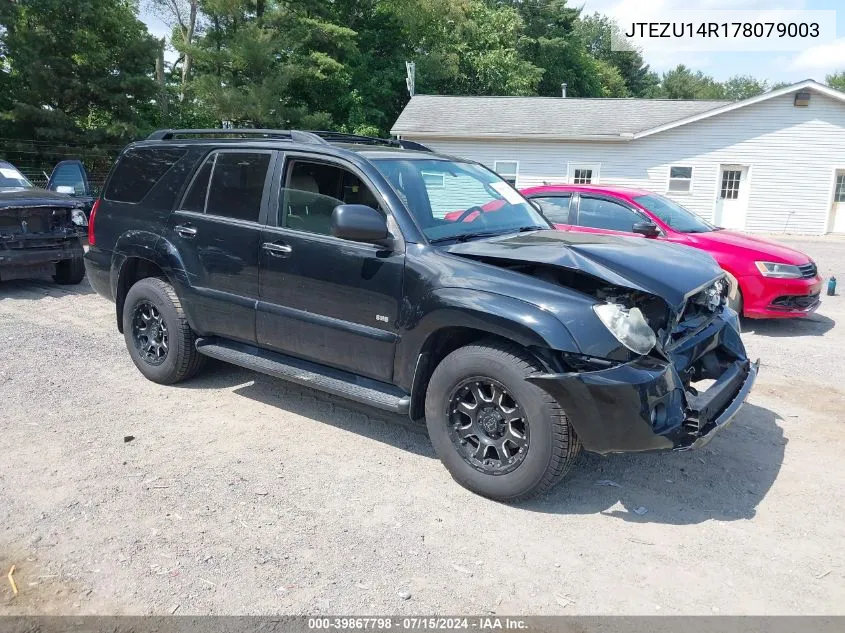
x=237, y=184
x=312, y=192
x=555, y=208
x=195, y=198
x=604, y=214
x=137, y=172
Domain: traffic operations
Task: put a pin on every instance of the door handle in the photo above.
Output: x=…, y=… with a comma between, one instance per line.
x=185, y=231
x=277, y=250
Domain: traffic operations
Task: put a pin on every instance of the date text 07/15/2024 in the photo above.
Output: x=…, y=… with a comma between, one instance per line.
x=417, y=623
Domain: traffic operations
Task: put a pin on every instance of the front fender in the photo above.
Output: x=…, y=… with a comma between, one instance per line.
x=500, y=315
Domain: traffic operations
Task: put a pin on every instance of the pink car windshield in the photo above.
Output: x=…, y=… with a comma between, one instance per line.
x=673, y=214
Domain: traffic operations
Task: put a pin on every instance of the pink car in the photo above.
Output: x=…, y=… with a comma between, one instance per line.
x=769, y=280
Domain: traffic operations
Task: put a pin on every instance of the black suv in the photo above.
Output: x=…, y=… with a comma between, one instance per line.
x=340, y=263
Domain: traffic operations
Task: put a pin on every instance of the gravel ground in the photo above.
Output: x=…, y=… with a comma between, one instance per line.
x=241, y=494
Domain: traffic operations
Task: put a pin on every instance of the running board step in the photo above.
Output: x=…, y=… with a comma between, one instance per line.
x=333, y=381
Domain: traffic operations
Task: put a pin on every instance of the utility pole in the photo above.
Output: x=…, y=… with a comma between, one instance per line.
x=162, y=89
x=410, y=79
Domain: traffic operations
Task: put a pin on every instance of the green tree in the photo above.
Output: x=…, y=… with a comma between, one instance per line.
x=73, y=70
x=550, y=43
x=466, y=47
x=610, y=79
x=271, y=64
x=743, y=87
x=596, y=31
x=7, y=10
x=377, y=67
x=836, y=80
x=88, y=68
x=182, y=17
x=495, y=64
x=683, y=83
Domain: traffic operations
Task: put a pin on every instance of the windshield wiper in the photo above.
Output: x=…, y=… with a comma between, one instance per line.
x=463, y=237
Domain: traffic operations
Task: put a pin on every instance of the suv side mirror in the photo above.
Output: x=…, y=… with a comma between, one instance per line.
x=649, y=229
x=359, y=223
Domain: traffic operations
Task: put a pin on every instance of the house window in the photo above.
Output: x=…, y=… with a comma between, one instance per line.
x=507, y=169
x=839, y=192
x=581, y=174
x=680, y=179
x=433, y=180
x=730, y=184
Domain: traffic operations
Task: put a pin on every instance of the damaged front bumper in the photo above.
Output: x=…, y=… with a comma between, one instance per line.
x=648, y=404
x=34, y=254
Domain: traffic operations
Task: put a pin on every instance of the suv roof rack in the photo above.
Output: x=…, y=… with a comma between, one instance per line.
x=343, y=137
x=300, y=136
x=294, y=135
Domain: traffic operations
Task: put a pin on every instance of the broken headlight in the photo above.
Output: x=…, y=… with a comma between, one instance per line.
x=714, y=296
x=77, y=216
x=628, y=325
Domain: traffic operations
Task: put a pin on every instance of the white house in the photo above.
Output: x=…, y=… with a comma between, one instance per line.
x=771, y=163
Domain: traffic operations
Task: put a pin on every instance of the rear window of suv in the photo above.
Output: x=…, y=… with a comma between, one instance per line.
x=138, y=171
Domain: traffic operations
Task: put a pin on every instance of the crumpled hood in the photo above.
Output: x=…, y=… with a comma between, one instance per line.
x=670, y=271
x=36, y=197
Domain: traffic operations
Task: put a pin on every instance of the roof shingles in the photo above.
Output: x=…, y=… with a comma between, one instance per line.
x=541, y=116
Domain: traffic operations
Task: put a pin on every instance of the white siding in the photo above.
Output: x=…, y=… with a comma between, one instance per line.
x=791, y=154
x=456, y=194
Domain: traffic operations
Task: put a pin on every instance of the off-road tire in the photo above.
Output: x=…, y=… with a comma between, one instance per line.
x=182, y=360
x=553, y=445
x=69, y=271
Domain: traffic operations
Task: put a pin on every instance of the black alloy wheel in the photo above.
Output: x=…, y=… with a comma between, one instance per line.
x=488, y=426
x=149, y=332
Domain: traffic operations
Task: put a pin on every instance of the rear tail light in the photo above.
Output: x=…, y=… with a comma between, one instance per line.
x=91, y=217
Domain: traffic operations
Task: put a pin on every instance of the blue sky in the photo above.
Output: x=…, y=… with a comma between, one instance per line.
x=812, y=63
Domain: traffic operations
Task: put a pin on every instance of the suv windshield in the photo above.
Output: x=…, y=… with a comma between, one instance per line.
x=455, y=200
x=673, y=214
x=11, y=178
